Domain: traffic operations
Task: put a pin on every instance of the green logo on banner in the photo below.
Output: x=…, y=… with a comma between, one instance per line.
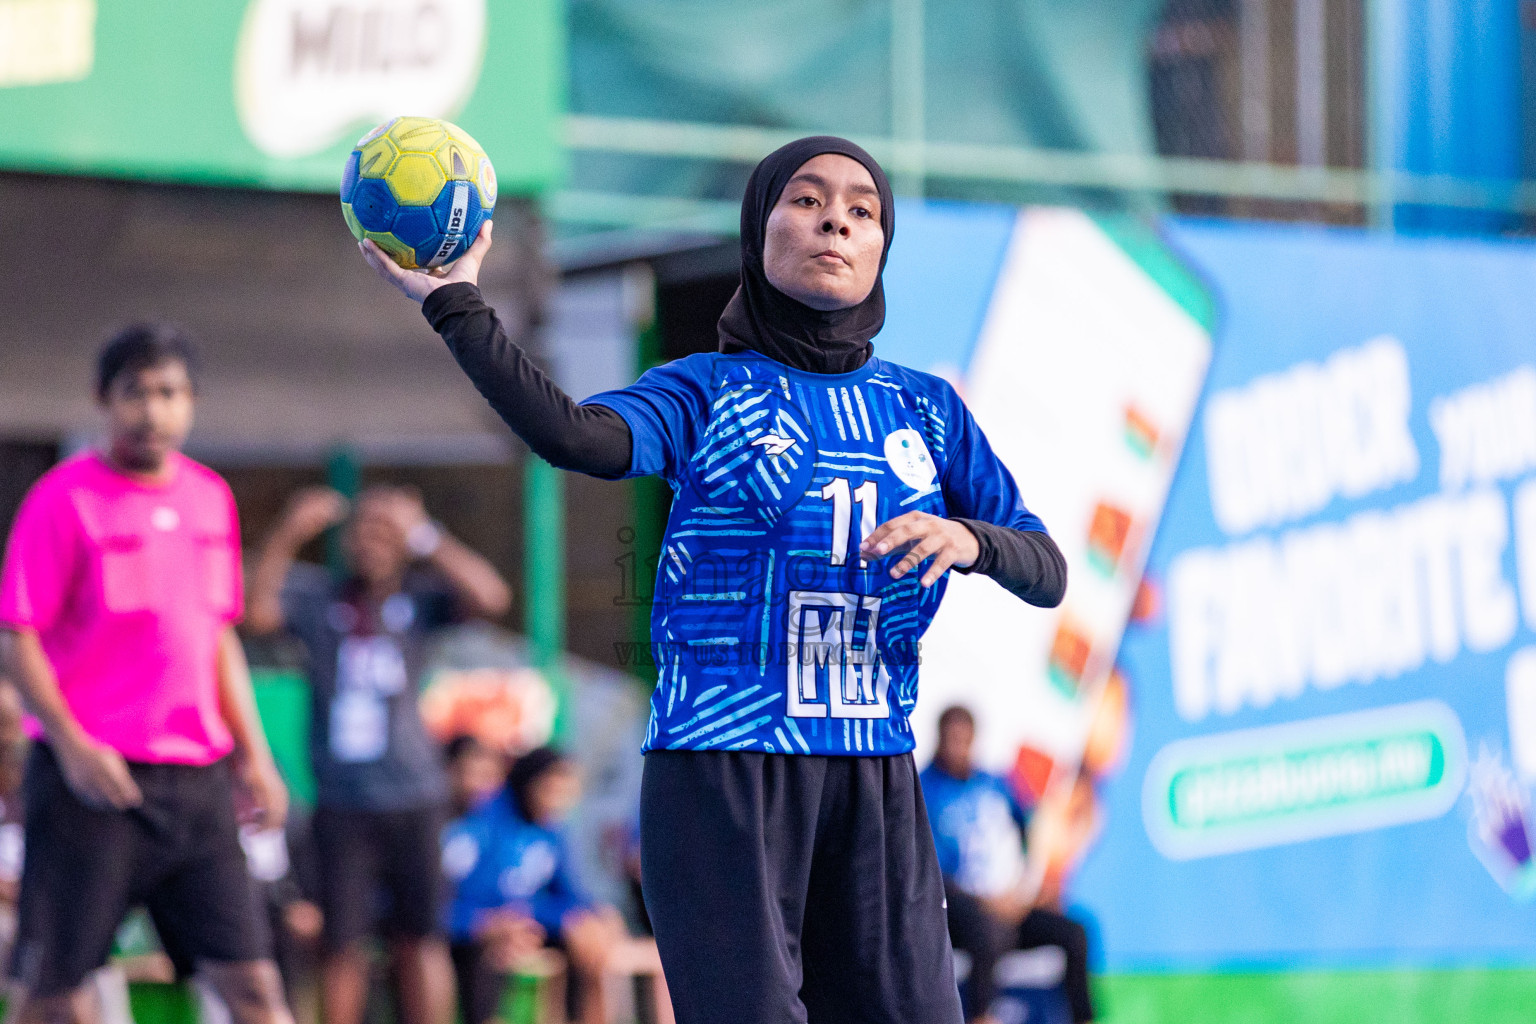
x=1304, y=780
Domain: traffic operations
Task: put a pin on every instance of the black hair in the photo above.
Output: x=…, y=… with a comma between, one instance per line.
x=462, y=744
x=957, y=713
x=141, y=346
x=526, y=771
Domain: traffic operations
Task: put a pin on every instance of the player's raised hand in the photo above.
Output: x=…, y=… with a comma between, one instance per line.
x=418, y=284
x=921, y=535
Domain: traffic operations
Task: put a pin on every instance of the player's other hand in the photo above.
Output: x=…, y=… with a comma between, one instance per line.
x=97, y=774
x=920, y=536
x=418, y=284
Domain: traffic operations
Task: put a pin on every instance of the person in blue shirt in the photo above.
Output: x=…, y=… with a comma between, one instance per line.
x=514, y=891
x=978, y=830
x=821, y=494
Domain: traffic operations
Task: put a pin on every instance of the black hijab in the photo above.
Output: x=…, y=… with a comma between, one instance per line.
x=764, y=319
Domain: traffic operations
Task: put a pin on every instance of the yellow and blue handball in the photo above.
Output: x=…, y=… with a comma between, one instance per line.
x=420, y=188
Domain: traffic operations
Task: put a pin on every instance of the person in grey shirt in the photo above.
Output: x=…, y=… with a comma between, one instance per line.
x=381, y=788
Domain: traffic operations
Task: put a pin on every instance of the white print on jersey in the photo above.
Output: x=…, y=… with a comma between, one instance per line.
x=821, y=631
x=909, y=459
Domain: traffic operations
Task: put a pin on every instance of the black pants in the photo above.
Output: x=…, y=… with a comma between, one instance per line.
x=365, y=855
x=178, y=853
x=479, y=985
x=795, y=889
x=986, y=938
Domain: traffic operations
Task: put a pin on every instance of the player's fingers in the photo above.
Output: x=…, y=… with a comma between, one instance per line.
x=896, y=534
x=913, y=558
x=387, y=268
x=879, y=534
x=942, y=560
x=883, y=532
x=482, y=241
x=469, y=264
x=382, y=265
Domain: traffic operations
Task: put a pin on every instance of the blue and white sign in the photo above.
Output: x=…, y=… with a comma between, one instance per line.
x=1335, y=706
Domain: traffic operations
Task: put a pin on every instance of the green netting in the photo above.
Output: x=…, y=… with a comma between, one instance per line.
x=1060, y=74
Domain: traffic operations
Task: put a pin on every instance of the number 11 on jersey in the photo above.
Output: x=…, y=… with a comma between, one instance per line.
x=840, y=493
x=832, y=674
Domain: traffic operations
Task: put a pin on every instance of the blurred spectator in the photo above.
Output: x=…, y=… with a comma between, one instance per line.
x=515, y=892
x=13, y=756
x=475, y=774
x=283, y=861
x=978, y=829
x=381, y=790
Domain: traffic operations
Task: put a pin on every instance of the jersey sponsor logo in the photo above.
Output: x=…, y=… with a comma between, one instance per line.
x=773, y=445
x=757, y=454
x=909, y=459
x=833, y=674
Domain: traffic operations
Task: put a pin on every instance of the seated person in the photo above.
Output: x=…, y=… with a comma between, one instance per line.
x=476, y=773
x=978, y=829
x=514, y=891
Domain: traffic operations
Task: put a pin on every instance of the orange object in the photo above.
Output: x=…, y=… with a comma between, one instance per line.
x=1148, y=604
x=1105, y=746
x=1031, y=772
x=511, y=710
x=1140, y=432
x=1107, y=536
x=1069, y=658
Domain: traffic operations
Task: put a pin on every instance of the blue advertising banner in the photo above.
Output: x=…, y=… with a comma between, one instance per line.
x=1334, y=694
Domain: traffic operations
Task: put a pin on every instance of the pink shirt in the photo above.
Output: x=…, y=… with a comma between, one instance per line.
x=129, y=586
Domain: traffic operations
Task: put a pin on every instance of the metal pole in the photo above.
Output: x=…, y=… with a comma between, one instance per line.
x=544, y=577
x=344, y=473
x=907, y=95
x=1311, y=83
x=651, y=497
x=1253, y=61
x=1383, y=45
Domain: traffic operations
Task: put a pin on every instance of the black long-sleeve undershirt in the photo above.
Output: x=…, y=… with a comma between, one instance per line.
x=1026, y=563
x=596, y=440
x=591, y=439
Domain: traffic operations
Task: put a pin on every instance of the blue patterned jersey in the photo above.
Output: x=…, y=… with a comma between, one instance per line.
x=770, y=633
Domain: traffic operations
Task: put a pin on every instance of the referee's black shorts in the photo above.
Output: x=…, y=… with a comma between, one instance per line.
x=178, y=854
x=795, y=888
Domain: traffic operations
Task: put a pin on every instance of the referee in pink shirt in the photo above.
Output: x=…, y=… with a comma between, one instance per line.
x=118, y=600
